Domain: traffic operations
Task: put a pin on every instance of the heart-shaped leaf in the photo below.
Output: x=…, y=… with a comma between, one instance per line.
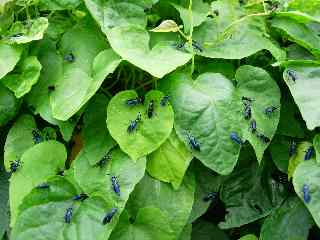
x=170, y=161
x=306, y=182
x=211, y=108
x=149, y=133
x=26, y=75
x=37, y=164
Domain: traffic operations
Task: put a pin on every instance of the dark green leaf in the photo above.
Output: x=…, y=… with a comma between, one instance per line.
x=4, y=194
x=8, y=105
x=204, y=230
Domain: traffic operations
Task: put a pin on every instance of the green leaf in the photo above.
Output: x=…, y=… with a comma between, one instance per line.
x=298, y=158
x=151, y=192
x=186, y=232
x=21, y=32
x=204, y=230
x=310, y=7
x=316, y=144
x=170, y=161
x=299, y=33
x=279, y=149
x=150, y=224
x=50, y=207
x=200, y=11
x=249, y=237
x=22, y=79
x=80, y=80
x=166, y=26
x=203, y=108
x=9, y=105
x=150, y=132
x=96, y=137
x=282, y=223
x=38, y=163
x=250, y=193
x=304, y=91
x=308, y=173
x=54, y=5
x=19, y=139
x=4, y=194
x=11, y=54
x=207, y=182
x=97, y=181
x=132, y=44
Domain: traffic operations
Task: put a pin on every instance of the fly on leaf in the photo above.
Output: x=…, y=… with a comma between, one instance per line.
x=108, y=217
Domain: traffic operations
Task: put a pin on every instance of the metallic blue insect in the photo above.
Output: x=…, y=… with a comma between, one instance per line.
x=194, y=144
x=269, y=110
x=133, y=124
x=309, y=153
x=292, y=148
x=247, y=112
x=197, y=46
x=36, y=135
x=235, y=138
x=108, y=217
x=69, y=58
x=68, y=215
x=210, y=196
x=43, y=186
x=253, y=126
x=150, y=111
x=134, y=101
x=306, y=193
x=115, y=185
x=80, y=197
x=263, y=138
x=246, y=100
x=164, y=101
x=15, y=165
x=292, y=75
x=104, y=160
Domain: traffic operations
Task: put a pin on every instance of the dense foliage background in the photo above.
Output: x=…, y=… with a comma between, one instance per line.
x=159, y=119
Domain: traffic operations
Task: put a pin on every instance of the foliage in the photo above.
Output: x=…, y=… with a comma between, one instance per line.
x=159, y=119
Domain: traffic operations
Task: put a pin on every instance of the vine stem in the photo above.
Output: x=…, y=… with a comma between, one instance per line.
x=190, y=35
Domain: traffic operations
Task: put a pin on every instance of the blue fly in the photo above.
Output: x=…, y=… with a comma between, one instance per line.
x=197, y=46
x=134, y=101
x=210, y=196
x=36, y=135
x=43, y=186
x=306, y=193
x=115, y=185
x=103, y=161
x=235, y=138
x=133, y=124
x=309, y=153
x=194, y=144
x=253, y=126
x=270, y=110
x=108, y=217
x=247, y=112
x=69, y=57
x=80, y=197
x=150, y=111
x=164, y=101
x=246, y=100
x=15, y=165
x=291, y=75
x=263, y=138
x=292, y=148
x=68, y=215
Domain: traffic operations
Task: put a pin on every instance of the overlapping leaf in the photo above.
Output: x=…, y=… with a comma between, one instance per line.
x=9, y=105
x=12, y=55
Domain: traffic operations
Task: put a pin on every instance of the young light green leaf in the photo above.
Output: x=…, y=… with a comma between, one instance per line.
x=249, y=237
x=151, y=192
x=96, y=137
x=149, y=133
x=55, y=5
x=298, y=158
x=299, y=33
x=204, y=230
x=149, y=224
x=37, y=164
x=282, y=223
x=306, y=182
x=81, y=79
x=9, y=105
x=200, y=11
x=23, y=33
x=170, y=161
x=250, y=193
x=303, y=86
x=19, y=139
x=96, y=179
x=26, y=75
x=166, y=26
x=11, y=54
x=316, y=144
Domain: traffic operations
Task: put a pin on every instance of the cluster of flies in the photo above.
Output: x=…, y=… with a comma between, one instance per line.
x=133, y=125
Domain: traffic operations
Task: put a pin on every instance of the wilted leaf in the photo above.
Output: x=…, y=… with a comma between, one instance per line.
x=166, y=26
x=149, y=134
